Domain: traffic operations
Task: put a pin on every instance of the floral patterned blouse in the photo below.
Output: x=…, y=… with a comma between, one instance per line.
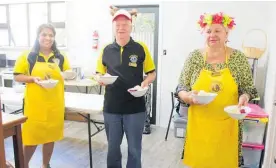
x=237, y=63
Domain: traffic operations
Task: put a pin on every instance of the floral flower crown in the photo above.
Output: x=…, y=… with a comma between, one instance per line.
x=218, y=18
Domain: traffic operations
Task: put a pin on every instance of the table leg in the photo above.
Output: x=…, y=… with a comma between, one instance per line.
x=86, y=89
x=18, y=148
x=89, y=140
x=79, y=89
x=263, y=151
x=100, y=90
x=2, y=147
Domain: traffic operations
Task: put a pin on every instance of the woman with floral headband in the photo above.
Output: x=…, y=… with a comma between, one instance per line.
x=213, y=139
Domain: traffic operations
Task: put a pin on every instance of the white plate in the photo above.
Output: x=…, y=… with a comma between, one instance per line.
x=204, y=97
x=69, y=75
x=138, y=91
x=107, y=80
x=48, y=83
x=234, y=112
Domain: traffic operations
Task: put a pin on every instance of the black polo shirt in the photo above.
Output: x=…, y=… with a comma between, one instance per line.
x=129, y=63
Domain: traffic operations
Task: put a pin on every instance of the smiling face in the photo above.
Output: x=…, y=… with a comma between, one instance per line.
x=46, y=38
x=122, y=27
x=216, y=35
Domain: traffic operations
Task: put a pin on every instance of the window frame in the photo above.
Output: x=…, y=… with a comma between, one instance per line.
x=6, y=26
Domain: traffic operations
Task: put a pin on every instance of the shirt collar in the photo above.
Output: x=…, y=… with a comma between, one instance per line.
x=131, y=41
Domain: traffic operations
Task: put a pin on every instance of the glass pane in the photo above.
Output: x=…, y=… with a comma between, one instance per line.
x=61, y=37
x=143, y=29
x=58, y=12
x=144, y=22
x=38, y=16
x=3, y=14
x=4, y=40
x=18, y=23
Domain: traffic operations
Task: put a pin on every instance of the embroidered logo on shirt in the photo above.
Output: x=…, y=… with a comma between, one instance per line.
x=133, y=60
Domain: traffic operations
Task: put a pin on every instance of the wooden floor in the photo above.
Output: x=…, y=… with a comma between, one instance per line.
x=72, y=151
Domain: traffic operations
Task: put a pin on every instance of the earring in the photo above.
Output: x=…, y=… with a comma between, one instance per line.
x=207, y=45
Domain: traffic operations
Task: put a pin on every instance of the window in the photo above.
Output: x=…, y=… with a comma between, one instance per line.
x=4, y=40
x=61, y=36
x=3, y=14
x=57, y=18
x=38, y=15
x=19, y=22
x=58, y=12
x=18, y=25
x=4, y=31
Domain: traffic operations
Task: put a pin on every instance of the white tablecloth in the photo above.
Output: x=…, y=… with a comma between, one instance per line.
x=83, y=82
x=79, y=102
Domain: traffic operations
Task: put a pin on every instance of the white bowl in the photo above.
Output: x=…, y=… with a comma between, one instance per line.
x=51, y=83
x=234, y=112
x=138, y=91
x=69, y=75
x=107, y=80
x=204, y=98
x=19, y=88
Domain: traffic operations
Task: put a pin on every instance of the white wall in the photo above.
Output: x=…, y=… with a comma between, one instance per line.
x=180, y=36
x=84, y=17
x=270, y=96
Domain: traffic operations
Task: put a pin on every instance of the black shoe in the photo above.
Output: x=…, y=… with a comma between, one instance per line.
x=147, y=130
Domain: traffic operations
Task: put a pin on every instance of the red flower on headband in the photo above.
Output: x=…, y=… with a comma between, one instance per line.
x=200, y=22
x=217, y=18
x=231, y=24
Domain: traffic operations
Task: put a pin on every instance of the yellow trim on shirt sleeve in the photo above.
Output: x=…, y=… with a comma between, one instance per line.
x=148, y=62
x=21, y=64
x=100, y=67
x=66, y=63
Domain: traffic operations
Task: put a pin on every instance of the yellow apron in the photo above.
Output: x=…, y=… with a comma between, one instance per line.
x=44, y=107
x=212, y=136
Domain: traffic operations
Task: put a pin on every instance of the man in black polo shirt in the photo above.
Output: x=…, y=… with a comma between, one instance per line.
x=124, y=113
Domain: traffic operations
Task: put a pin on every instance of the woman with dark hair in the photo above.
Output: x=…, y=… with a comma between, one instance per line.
x=43, y=107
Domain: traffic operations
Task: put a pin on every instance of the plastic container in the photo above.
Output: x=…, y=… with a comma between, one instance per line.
x=254, y=125
x=180, y=124
x=253, y=131
x=252, y=155
x=256, y=112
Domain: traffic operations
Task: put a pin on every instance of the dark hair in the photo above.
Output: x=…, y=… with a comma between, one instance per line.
x=36, y=46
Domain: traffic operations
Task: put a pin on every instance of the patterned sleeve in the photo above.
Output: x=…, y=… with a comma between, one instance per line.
x=246, y=84
x=184, y=82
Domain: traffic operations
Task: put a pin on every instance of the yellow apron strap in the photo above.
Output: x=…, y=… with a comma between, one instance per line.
x=226, y=55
